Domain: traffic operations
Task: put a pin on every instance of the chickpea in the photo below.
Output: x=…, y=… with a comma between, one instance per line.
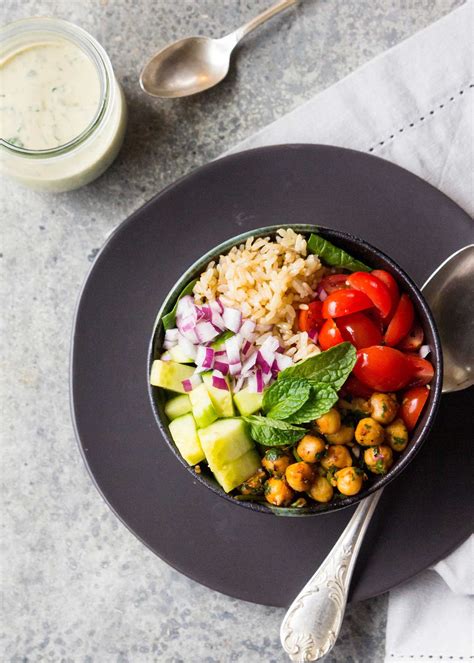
x=330, y=422
x=349, y=481
x=321, y=490
x=369, y=432
x=276, y=461
x=396, y=434
x=337, y=456
x=254, y=484
x=383, y=407
x=357, y=405
x=309, y=448
x=379, y=459
x=344, y=435
x=278, y=492
x=299, y=476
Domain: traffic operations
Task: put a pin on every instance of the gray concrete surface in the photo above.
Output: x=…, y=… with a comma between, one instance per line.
x=77, y=585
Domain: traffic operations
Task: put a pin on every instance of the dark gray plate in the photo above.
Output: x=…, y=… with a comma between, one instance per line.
x=423, y=514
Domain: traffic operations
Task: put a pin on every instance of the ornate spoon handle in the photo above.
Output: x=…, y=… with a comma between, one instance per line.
x=312, y=623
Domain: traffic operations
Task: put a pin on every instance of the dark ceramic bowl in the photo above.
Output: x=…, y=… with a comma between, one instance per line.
x=371, y=256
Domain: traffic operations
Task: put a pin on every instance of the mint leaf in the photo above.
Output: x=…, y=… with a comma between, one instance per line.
x=169, y=320
x=285, y=397
x=330, y=367
x=320, y=401
x=334, y=256
x=272, y=432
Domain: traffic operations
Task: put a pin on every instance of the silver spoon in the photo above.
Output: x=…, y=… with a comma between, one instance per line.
x=195, y=64
x=313, y=621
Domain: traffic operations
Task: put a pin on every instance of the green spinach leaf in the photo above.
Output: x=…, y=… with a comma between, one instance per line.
x=169, y=320
x=272, y=432
x=330, y=367
x=320, y=401
x=334, y=256
x=285, y=397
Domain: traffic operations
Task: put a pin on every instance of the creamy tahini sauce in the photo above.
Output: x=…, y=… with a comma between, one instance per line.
x=49, y=93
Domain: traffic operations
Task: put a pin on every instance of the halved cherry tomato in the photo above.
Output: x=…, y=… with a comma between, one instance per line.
x=359, y=330
x=333, y=282
x=355, y=387
x=402, y=321
x=422, y=370
x=374, y=288
x=413, y=402
x=413, y=340
x=329, y=335
x=345, y=302
x=392, y=286
x=310, y=318
x=383, y=368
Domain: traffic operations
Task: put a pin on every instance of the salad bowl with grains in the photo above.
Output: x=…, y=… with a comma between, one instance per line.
x=294, y=370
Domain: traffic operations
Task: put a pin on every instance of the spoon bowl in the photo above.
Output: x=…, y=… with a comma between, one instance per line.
x=186, y=67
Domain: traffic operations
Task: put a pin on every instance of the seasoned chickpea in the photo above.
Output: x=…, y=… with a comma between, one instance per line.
x=349, y=480
x=309, y=448
x=278, y=492
x=383, y=407
x=379, y=459
x=357, y=405
x=369, y=432
x=299, y=476
x=254, y=484
x=336, y=456
x=330, y=422
x=276, y=461
x=396, y=434
x=344, y=435
x=321, y=490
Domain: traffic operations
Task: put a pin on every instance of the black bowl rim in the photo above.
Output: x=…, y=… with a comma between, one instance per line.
x=427, y=320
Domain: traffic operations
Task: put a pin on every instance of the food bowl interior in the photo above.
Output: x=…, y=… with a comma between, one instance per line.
x=375, y=259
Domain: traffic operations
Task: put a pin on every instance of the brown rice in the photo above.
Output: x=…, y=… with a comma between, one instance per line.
x=267, y=280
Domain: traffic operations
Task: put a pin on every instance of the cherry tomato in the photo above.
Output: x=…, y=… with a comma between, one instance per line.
x=383, y=368
x=333, y=282
x=360, y=330
x=392, y=286
x=413, y=402
x=413, y=340
x=345, y=302
x=355, y=387
x=329, y=335
x=422, y=370
x=374, y=288
x=402, y=321
x=310, y=318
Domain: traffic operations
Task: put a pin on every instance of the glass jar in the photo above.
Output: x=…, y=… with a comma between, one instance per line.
x=90, y=153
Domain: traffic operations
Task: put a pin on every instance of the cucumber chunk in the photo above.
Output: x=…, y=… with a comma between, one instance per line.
x=184, y=433
x=221, y=399
x=169, y=375
x=178, y=406
x=247, y=402
x=203, y=409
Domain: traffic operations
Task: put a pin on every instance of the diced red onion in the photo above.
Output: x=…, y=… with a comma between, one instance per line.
x=264, y=365
x=165, y=356
x=271, y=344
x=283, y=361
x=205, y=331
x=247, y=329
x=217, y=306
x=191, y=383
x=247, y=346
x=313, y=335
x=267, y=377
x=186, y=308
x=249, y=363
x=252, y=383
x=235, y=369
x=219, y=381
x=205, y=313
x=260, y=382
x=187, y=346
x=205, y=356
x=221, y=366
x=190, y=334
x=232, y=319
x=424, y=351
x=172, y=335
x=232, y=348
x=239, y=383
x=220, y=353
x=167, y=345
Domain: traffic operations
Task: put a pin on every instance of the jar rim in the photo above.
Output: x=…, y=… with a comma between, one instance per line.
x=96, y=54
